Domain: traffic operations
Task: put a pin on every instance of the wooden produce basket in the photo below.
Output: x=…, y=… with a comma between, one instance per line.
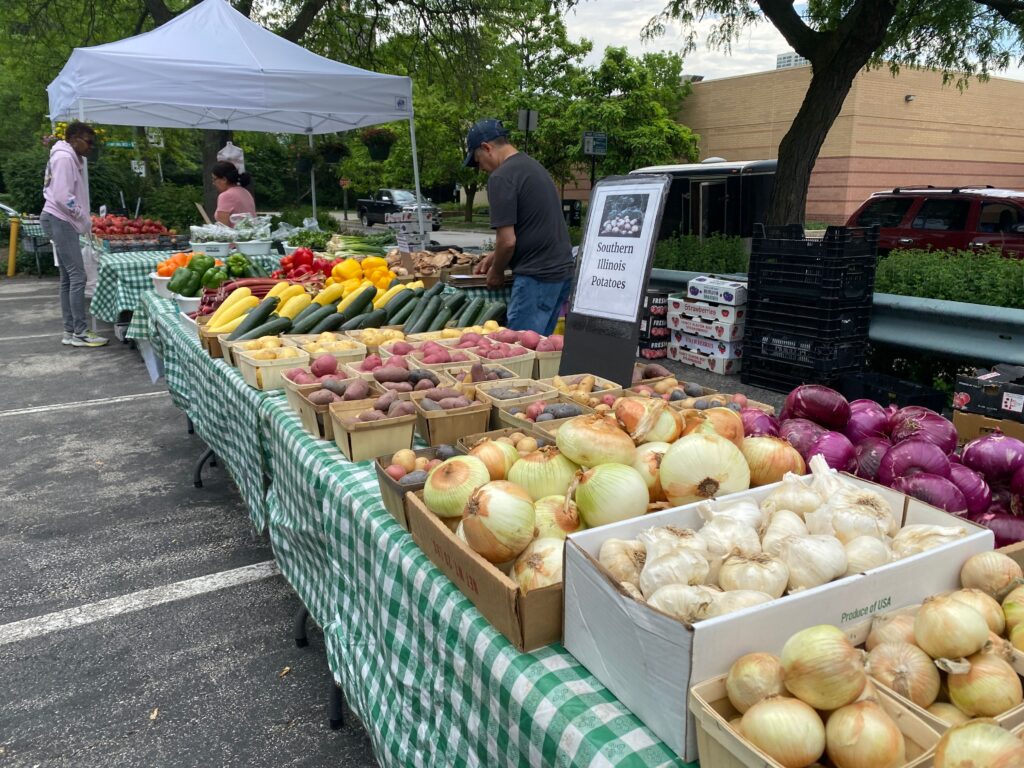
x=385, y=349
x=520, y=365
x=482, y=389
x=440, y=427
x=226, y=348
x=316, y=419
x=210, y=342
x=292, y=390
x=391, y=491
x=363, y=440
x=545, y=428
x=468, y=441
x=268, y=375
x=546, y=364
x=470, y=389
x=418, y=359
x=721, y=746
x=601, y=386
x=371, y=349
x=342, y=356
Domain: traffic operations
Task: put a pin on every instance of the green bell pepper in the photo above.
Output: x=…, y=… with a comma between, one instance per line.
x=180, y=280
x=200, y=263
x=237, y=265
x=213, y=278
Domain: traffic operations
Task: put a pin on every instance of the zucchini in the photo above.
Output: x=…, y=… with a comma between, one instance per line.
x=256, y=317
x=411, y=319
x=403, y=313
x=471, y=310
x=353, y=324
x=396, y=302
x=363, y=302
x=307, y=321
x=440, y=319
x=430, y=310
x=308, y=310
x=454, y=301
x=270, y=328
x=434, y=290
x=375, y=319
x=332, y=322
x=493, y=311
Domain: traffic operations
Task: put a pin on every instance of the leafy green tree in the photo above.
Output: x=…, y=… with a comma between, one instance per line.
x=963, y=38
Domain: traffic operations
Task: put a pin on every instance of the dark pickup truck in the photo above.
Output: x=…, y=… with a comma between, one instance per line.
x=373, y=209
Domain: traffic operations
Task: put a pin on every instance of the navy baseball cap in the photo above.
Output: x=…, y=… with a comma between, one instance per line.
x=487, y=129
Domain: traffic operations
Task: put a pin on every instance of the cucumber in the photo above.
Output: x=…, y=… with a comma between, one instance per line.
x=493, y=311
x=332, y=322
x=269, y=328
x=454, y=301
x=306, y=312
x=403, y=313
x=397, y=301
x=430, y=310
x=414, y=316
x=306, y=324
x=256, y=317
x=471, y=310
x=375, y=319
x=363, y=302
x=434, y=290
x=440, y=319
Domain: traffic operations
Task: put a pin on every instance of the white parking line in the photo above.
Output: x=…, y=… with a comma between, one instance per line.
x=137, y=601
x=32, y=336
x=82, y=403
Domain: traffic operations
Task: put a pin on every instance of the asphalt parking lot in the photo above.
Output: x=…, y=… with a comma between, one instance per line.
x=142, y=623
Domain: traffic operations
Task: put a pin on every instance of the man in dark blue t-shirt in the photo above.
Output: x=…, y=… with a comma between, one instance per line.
x=531, y=237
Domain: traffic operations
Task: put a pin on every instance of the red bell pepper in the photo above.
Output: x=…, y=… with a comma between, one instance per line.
x=303, y=257
x=300, y=270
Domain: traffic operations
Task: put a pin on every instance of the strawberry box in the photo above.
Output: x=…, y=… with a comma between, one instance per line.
x=717, y=291
x=712, y=329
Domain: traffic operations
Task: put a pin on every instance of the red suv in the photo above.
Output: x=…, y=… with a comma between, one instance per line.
x=964, y=218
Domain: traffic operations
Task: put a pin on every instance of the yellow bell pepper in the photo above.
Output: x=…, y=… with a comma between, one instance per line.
x=351, y=284
x=346, y=269
x=371, y=263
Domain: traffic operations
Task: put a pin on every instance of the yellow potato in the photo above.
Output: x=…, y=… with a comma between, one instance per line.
x=338, y=346
x=270, y=342
x=451, y=333
x=264, y=354
x=284, y=352
x=254, y=344
x=491, y=325
x=328, y=336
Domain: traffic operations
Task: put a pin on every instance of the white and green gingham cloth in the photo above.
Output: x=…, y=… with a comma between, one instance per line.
x=430, y=678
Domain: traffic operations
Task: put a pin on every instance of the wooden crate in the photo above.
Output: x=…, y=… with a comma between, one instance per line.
x=601, y=386
x=721, y=746
x=470, y=389
x=546, y=393
x=363, y=440
x=210, y=342
x=292, y=390
x=546, y=428
x=468, y=441
x=520, y=365
x=343, y=356
x=393, y=492
x=440, y=427
x=316, y=419
x=268, y=375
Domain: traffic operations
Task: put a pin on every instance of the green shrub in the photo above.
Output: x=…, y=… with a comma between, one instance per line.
x=23, y=175
x=717, y=253
x=984, y=277
x=173, y=205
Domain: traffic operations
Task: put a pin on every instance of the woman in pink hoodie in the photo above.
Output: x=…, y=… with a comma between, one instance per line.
x=65, y=216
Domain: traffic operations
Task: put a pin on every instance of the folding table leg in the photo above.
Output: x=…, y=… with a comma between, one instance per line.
x=335, y=706
x=191, y=426
x=299, y=623
x=197, y=474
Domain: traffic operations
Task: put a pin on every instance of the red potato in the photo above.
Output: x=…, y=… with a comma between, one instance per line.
x=397, y=361
x=533, y=410
x=322, y=397
x=323, y=365
x=473, y=337
x=458, y=357
x=391, y=373
x=397, y=386
x=507, y=335
x=453, y=402
x=395, y=472
x=423, y=384
x=465, y=345
x=305, y=378
x=291, y=373
x=529, y=339
x=332, y=377
x=558, y=340
x=432, y=463
x=740, y=400
x=401, y=408
x=547, y=345
x=401, y=348
x=371, y=363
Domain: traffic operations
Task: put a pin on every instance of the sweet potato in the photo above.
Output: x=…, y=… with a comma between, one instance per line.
x=322, y=397
x=397, y=386
x=337, y=387
x=401, y=408
x=391, y=373
x=429, y=405
x=453, y=402
x=370, y=415
x=416, y=375
x=424, y=384
x=653, y=371
x=440, y=393
x=384, y=402
x=358, y=389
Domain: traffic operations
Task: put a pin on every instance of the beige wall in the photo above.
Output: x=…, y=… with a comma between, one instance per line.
x=942, y=137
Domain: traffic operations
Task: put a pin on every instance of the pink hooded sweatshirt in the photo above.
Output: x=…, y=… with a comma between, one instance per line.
x=65, y=190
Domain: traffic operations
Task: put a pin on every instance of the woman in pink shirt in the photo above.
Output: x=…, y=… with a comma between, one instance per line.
x=234, y=198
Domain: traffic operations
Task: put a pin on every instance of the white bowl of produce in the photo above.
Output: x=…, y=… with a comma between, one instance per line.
x=289, y=249
x=189, y=325
x=188, y=303
x=160, y=285
x=197, y=247
x=216, y=249
x=254, y=247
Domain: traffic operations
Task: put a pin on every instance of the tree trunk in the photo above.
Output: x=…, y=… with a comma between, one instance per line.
x=212, y=142
x=470, y=190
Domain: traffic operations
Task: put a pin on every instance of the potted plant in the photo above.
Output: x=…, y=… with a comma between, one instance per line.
x=333, y=151
x=378, y=141
x=304, y=158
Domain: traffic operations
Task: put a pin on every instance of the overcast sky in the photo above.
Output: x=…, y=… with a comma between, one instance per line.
x=618, y=22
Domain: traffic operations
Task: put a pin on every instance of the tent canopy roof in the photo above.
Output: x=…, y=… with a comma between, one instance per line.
x=213, y=68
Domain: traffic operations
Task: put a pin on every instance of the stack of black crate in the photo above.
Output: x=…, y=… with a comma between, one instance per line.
x=808, y=306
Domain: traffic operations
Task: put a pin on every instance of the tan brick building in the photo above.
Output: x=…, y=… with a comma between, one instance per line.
x=892, y=131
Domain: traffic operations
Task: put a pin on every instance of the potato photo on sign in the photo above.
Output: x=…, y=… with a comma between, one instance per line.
x=623, y=215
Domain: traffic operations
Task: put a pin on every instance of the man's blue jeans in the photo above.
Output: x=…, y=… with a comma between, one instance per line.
x=536, y=305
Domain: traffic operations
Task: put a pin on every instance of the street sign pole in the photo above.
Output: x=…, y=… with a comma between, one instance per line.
x=527, y=123
x=594, y=143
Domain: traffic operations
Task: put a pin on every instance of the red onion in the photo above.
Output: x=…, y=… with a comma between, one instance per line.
x=976, y=492
x=867, y=419
x=910, y=457
x=1006, y=499
x=756, y=422
x=836, y=449
x=1017, y=482
x=820, y=404
x=1009, y=529
x=954, y=458
x=932, y=489
x=915, y=421
x=996, y=456
x=870, y=451
x=801, y=434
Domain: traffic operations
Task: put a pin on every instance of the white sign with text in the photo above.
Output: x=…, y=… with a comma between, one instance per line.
x=622, y=224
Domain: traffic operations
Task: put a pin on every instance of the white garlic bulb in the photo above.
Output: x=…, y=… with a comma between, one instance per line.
x=864, y=553
x=761, y=573
x=682, y=566
x=670, y=538
x=781, y=523
x=734, y=600
x=812, y=560
x=623, y=559
x=745, y=510
x=914, y=539
x=683, y=602
x=853, y=511
x=793, y=494
x=724, y=536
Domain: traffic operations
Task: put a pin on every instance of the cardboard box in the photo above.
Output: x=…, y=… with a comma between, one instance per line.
x=528, y=620
x=679, y=304
x=971, y=425
x=652, y=350
x=705, y=362
x=654, y=328
x=712, y=329
x=998, y=393
x=649, y=660
x=654, y=304
x=726, y=350
x=717, y=291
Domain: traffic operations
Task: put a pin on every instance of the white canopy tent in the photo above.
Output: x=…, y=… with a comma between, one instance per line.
x=213, y=68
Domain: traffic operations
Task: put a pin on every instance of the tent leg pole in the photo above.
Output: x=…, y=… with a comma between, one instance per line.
x=312, y=179
x=416, y=177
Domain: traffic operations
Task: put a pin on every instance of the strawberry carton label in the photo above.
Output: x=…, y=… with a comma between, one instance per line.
x=717, y=291
x=727, y=350
x=702, y=310
x=712, y=330
x=705, y=362
x=652, y=350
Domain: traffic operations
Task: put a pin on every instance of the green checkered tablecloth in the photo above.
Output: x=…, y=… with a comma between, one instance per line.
x=430, y=678
x=123, y=277
x=32, y=229
x=159, y=319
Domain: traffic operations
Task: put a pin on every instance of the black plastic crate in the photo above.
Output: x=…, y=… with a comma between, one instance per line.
x=783, y=376
x=833, y=321
x=889, y=390
x=806, y=349
x=839, y=267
